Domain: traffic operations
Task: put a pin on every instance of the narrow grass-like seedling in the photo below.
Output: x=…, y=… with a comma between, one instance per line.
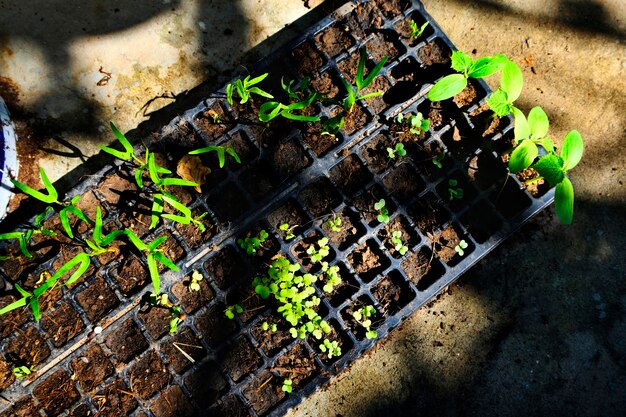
x=398, y=244
x=451, y=85
x=416, y=31
x=232, y=310
x=288, y=231
x=417, y=122
x=221, y=152
x=176, y=316
x=332, y=349
x=453, y=191
x=383, y=211
x=460, y=248
x=363, y=317
x=153, y=255
x=300, y=101
x=245, y=88
x=398, y=150
x=251, y=243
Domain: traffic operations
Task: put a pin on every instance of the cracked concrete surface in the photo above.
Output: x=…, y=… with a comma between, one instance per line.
x=537, y=328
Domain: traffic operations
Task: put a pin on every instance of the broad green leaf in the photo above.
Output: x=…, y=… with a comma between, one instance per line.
x=572, y=151
x=486, y=66
x=538, y=123
x=461, y=62
x=512, y=81
x=522, y=130
x=447, y=87
x=564, y=201
x=262, y=290
x=550, y=168
x=523, y=156
x=498, y=101
x=547, y=144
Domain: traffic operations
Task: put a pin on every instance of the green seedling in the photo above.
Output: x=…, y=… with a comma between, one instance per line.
x=155, y=172
x=221, y=153
x=363, y=317
x=22, y=372
x=416, y=122
x=194, y=284
x=251, y=244
x=511, y=83
x=269, y=327
x=287, y=386
x=398, y=244
x=334, y=224
x=383, y=212
x=53, y=198
x=453, y=191
x=398, y=150
x=232, y=310
x=176, y=316
x=416, y=31
x=317, y=254
x=332, y=349
x=158, y=205
x=451, y=85
x=528, y=134
x=295, y=296
x=460, y=248
x=437, y=160
x=154, y=255
x=288, y=231
x=245, y=88
x=553, y=168
x=273, y=109
x=24, y=237
x=333, y=278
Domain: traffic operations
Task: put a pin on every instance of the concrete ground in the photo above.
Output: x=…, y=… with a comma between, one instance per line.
x=538, y=328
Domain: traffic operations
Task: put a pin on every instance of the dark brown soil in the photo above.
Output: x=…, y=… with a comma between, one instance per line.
x=364, y=18
x=115, y=399
x=290, y=213
x=435, y=52
x=446, y=190
x=536, y=188
x=148, y=376
x=228, y=203
x=226, y=268
x=444, y=243
x=409, y=237
x=296, y=364
x=393, y=293
x=192, y=235
x=375, y=153
x=131, y=275
x=326, y=83
x=172, y=403
x=62, y=324
x=264, y=391
x=334, y=40
x=12, y=320
x=239, y=359
x=484, y=170
x=350, y=175
x=351, y=230
x=229, y=406
x=306, y=59
x=82, y=410
x=467, y=97
x=26, y=348
x=486, y=122
x=403, y=182
x=6, y=375
x=91, y=368
x=355, y=327
x=213, y=122
x=355, y=120
x=318, y=143
x=97, y=299
x=343, y=291
x=428, y=213
x=381, y=45
x=299, y=250
x=115, y=188
x=392, y=8
x=214, y=326
x=289, y=159
x=481, y=221
x=272, y=342
x=191, y=301
x=364, y=204
x=56, y=393
x=206, y=384
x=24, y=407
x=422, y=268
x=156, y=320
x=172, y=249
x=368, y=261
x=126, y=341
x=320, y=198
x=185, y=340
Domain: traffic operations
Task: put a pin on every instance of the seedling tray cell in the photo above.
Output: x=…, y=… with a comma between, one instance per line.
x=289, y=174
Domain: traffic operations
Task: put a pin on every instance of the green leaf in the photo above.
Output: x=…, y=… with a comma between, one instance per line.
x=461, y=62
x=154, y=273
x=255, y=80
x=160, y=256
x=550, y=167
x=498, y=101
x=538, y=123
x=135, y=240
x=260, y=92
x=447, y=87
x=14, y=305
x=178, y=181
x=523, y=156
x=229, y=93
x=522, y=130
x=262, y=290
x=270, y=110
x=52, y=196
x=564, y=201
x=486, y=66
x=157, y=210
x=512, y=81
x=572, y=151
x=363, y=83
x=84, y=260
x=128, y=148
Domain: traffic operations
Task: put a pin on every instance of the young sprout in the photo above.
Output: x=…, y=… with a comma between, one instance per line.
x=153, y=255
x=396, y=239
x=251, y=244
x=334, y=224
x=194, y=284
x=21, y=372
x=317, y=255
x=232, y=310
x=383, y=212
x=460, y=247
x=245, y=88
x=332, y=277
x=451, y=85
x=437, y=160
x=176, y=316
x=272, y=109
x=331, y=348
x=416, y=31
x=287, y=386
x=398, y=150
x=266, y=326
x=288, y=231
x=363, y=317
x=221, y=153
x=416, y=122
x=453, y=190
x=528, y=134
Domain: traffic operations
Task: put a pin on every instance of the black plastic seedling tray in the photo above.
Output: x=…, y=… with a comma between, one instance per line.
x=306, y=187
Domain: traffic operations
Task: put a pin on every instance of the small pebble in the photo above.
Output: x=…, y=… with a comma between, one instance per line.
x=97, y=330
